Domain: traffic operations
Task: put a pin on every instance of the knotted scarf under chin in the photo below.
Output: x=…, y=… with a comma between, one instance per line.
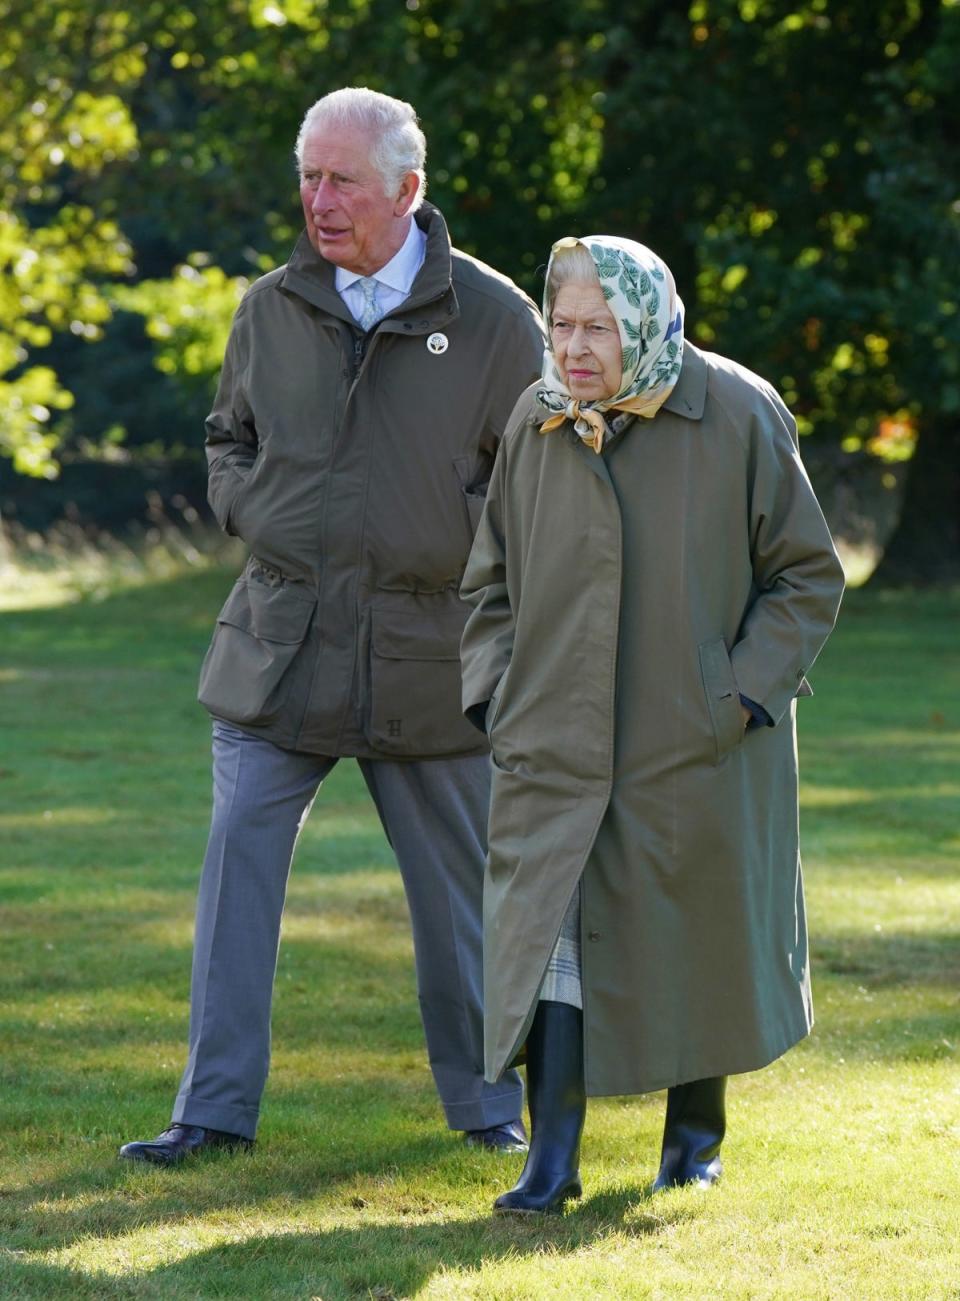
x=590, y=424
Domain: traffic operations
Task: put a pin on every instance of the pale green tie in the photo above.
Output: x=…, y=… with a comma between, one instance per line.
x=370, y=312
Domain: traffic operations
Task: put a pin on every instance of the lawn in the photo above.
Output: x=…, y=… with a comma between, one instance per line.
x=842, y=1160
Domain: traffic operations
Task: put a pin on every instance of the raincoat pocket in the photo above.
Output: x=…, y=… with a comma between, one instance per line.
x=723, y=697
x=413, y=700
x=496, y=700
x=245, y=674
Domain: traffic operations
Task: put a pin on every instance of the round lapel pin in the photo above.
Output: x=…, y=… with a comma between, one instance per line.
x=437, y=343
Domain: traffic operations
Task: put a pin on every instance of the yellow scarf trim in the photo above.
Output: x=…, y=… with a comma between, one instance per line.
x=590, y=424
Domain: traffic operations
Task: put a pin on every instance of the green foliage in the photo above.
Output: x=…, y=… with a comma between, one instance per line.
x=793, y=162
x=832, y=255
x=48, y=283
x=188, y=316
x=25, y=407
x=55, y=135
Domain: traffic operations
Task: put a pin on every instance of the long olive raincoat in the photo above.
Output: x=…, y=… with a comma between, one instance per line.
x=621, y=604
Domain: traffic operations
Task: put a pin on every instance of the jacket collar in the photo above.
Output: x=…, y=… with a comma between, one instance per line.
x=400, y=272
x=432, y=302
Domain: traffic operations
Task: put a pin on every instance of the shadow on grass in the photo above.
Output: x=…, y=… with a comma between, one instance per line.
x=878, y=960
x=120, y=1195
x=41, y=859
x=380, y=1260
x=22, y=1277
x=366, y=958
x=111, y=1197
x=883, y=960
x=894, y=995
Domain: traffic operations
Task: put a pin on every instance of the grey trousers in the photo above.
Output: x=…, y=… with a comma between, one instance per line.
x=434, y=813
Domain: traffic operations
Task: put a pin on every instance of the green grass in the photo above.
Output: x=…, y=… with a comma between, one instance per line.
x=842, y=1160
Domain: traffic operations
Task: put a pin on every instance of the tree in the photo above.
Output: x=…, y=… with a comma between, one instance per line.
x=797, y=165
x=794, y=162
x=53, y=247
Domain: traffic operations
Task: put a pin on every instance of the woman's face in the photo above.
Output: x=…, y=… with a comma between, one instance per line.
x=586, y=342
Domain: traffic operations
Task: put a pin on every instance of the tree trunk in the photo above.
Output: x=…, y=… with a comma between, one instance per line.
x=924, y=550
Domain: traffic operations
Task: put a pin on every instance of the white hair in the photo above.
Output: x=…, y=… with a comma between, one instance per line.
x=398, y=145
x=568, y=266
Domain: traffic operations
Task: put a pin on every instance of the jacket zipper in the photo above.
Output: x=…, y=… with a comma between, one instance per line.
x=359, y=348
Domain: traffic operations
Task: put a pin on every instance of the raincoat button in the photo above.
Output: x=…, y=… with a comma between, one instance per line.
x=593, y=936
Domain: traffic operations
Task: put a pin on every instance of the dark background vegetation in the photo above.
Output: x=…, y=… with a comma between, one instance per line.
x=795, y=163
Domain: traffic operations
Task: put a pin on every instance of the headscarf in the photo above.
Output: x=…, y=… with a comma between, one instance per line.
x=641, y=294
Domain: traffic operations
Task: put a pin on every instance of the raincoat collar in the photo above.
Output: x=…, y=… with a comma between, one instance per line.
x=689, y=395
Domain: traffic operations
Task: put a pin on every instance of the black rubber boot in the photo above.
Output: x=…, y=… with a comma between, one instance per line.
x=558, y=1105
x=694, y=1129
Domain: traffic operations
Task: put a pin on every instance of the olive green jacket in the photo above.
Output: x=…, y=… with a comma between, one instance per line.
x=621, y=603
x=355, y=470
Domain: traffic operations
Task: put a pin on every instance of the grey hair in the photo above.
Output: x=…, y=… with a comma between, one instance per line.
x=399, y=146
x=568, y=266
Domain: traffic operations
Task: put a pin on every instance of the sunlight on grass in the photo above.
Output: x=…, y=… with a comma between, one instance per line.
x=337, y=823
x=833, y=797
x=140, y=1252
x=355, y=930
x=172, y=933
x=61, y=816
x=29, y=589
x=839, y=1178
x=374, y=882
x=70, y=565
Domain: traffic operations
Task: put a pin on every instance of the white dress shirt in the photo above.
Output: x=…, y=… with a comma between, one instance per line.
x=394, y=280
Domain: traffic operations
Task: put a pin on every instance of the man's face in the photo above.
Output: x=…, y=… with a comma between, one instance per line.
x=350, y=220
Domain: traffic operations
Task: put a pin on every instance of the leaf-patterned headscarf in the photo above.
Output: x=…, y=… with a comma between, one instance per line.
x=643, y=299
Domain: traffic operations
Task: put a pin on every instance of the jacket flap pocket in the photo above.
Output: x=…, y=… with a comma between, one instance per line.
x=277, y=614
x=247, y=673
x=421, y=635
x=413, y=692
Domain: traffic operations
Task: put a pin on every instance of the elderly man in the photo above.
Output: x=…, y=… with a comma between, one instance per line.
x=364, y=391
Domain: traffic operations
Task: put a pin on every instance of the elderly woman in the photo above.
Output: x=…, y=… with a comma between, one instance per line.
x=651, y=580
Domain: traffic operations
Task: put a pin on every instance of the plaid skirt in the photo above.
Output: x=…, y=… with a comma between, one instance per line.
x=561, y=984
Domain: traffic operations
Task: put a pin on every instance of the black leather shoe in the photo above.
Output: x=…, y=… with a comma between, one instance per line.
x=693, y=1131
x=180, y=1141
x=558, y=1106
x=511, y=1137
